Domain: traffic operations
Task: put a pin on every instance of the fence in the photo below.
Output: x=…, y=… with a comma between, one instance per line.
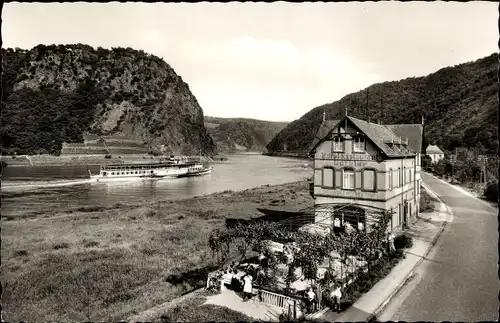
x=289, y=304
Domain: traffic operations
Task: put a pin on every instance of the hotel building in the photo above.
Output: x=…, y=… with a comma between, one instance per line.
x=362, y=169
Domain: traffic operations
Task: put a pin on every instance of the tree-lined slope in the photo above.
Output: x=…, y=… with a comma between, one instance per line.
x=239, y=134
x=53, y=94
x=459, y=103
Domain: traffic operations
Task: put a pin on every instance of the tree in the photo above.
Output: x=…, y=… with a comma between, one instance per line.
x=426, y=161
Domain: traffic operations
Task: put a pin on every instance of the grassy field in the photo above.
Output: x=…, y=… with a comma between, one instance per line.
x=108, y=264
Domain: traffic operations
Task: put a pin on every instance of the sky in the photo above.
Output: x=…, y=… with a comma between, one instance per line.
x=271, y=61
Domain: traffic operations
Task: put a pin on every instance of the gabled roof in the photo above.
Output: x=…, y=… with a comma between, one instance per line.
x=381, y=135
x=433, y=149
x=323, y=131
x=413, y=132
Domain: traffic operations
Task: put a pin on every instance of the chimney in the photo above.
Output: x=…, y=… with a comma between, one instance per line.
x=422, y=119
x=324, y=115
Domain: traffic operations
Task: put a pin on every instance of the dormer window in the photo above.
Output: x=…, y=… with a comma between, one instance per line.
x=359, y=144
x=338, y=144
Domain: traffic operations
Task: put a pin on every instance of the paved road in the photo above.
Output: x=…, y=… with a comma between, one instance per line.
x=460, y=281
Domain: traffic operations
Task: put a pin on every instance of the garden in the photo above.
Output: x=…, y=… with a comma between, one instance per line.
x=298, y=259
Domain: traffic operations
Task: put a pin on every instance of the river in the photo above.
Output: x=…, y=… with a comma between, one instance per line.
x=38, y=190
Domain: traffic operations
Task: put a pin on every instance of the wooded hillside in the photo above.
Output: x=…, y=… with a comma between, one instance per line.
x=460, y=105
x=239, y=134
x=53, y=94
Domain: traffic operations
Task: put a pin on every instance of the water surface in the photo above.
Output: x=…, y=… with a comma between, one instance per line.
x=44, y=189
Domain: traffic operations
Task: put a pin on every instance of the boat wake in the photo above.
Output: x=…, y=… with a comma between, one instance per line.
x=26, y=185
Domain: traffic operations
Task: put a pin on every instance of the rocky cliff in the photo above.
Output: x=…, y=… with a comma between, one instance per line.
x=54, y=94
x=460, y=105
x=239, y=134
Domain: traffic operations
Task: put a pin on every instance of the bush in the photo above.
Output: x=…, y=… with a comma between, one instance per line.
x=366, y=280
x=403, y=241
x=491, y=191
x=58, y=246
x=426, y=201
x=108, y=156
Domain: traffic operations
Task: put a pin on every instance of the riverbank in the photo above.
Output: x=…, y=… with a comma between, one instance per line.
x=69, y=160
x=99, y=263
x=301, y=155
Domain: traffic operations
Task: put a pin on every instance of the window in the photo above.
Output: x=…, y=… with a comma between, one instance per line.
x=409, y=175
x=359, y=144
x=338, y=144
x=403, y=182
x=396, y=178
x=348, y=182
x=328, y=177
x=390, y=180
x=369, y=180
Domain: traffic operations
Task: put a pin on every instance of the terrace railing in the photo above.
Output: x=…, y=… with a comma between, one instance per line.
x=289, y=304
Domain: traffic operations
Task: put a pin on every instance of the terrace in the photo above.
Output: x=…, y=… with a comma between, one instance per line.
x=296, y=258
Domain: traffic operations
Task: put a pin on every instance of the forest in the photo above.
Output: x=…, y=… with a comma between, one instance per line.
x=459, y=104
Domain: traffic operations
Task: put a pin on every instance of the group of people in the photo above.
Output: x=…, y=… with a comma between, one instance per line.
x=313, y=299
x=229, y=279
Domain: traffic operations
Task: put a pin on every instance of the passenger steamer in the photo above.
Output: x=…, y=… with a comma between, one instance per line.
x=170, y=169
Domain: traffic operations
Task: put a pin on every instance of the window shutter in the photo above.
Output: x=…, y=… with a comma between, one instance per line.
x=369, y=179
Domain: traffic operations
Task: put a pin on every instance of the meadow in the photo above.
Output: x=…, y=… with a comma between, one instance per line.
x=111, y=263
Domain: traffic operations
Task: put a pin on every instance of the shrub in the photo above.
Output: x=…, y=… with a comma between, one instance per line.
x=491, y=191
x=91, y=244
x=108, y=156
x=20, y=253
x=403, y=241
x=426, y=201
x=63, y=245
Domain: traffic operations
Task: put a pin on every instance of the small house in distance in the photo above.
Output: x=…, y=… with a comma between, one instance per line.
x=362, y=169
x=435, y=153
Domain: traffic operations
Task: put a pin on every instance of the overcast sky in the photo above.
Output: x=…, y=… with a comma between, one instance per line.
x=271, y=61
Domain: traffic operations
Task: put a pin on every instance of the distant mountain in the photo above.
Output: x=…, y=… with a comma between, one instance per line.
x=238, y=134
x=55, y=94
x=460, y=105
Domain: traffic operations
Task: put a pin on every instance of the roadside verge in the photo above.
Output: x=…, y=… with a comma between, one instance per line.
x=465, y=191
x=442, y=210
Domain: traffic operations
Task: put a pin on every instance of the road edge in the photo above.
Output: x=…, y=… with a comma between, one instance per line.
x=442, y=205
x=464, y=191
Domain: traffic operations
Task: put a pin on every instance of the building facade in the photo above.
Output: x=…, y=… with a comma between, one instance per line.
x=362, y=169
x=435, y=153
